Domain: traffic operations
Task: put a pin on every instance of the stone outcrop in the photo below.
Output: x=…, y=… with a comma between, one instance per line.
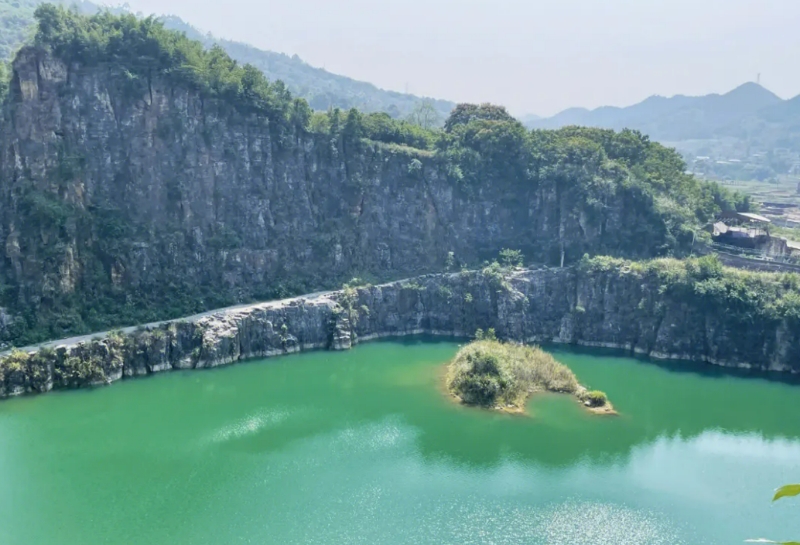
x=614, y=308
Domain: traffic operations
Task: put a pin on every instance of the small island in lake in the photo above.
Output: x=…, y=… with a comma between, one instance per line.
x=503, y=376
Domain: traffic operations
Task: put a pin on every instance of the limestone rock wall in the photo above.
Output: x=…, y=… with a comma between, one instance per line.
x=609, y=309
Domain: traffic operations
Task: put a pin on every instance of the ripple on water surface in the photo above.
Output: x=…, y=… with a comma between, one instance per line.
x=362, y=448
x=259, y=421
x=582, y=523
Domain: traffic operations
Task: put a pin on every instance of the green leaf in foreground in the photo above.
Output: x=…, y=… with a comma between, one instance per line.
x=787, y=491
x=775, y=542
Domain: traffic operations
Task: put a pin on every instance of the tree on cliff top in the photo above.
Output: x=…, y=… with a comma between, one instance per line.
x=141, y=48
x=463, y=114
x=425, y=115
x=590, y=170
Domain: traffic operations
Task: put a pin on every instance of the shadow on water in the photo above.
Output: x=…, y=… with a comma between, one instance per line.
x=655, y=399
x=264, y=406
x=701, y=369
x=300, y=432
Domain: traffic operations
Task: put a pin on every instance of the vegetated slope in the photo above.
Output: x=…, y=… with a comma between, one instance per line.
x=16, y=25
x=320, y=88
x=776, y=126
x=145, y=177
x=679, y=117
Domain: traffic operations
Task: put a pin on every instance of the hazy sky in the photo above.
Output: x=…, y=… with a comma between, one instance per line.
x=533, y=56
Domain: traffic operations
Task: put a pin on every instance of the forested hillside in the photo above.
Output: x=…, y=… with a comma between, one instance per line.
x=16, y=25
x=143, y=176
x=321, y=89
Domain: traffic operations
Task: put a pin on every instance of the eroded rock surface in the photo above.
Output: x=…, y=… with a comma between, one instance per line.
x=615, y=308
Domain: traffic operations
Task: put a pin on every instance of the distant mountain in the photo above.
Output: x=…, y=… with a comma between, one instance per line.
x=676, y=118
x=320, y=88
x=529, y=118
x=782, y=112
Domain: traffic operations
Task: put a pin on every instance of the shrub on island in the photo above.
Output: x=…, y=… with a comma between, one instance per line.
x=493, y=374
x=595, y=398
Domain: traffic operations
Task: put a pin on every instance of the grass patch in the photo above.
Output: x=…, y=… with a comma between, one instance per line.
x=492, y=374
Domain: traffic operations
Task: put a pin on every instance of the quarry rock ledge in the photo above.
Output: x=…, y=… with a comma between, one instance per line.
x=610, y=307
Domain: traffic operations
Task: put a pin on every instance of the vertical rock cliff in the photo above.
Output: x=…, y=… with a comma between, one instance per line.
x=134, y=196
x=638, y=308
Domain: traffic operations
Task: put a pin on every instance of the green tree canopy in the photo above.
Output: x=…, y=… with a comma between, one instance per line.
x=463, y=114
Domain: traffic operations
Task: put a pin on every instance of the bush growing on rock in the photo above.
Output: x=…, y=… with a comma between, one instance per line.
x=40, y=369
x=22, y=372
x=14, y=370
x=77, y=372
x=15, y=362
x=595, y=398
x=511, y=258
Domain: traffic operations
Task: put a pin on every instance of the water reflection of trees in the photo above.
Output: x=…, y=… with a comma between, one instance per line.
x=675, y=400
x=683, y=402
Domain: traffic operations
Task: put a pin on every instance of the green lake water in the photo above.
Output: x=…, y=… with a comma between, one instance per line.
x=361, y=447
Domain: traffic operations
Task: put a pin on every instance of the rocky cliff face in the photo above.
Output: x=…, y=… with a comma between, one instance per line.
x=126, y=197
x=615, y=308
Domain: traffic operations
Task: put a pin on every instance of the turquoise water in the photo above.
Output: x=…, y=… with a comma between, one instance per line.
x=362, y=447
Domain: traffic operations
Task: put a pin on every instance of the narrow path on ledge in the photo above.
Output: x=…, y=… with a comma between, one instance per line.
x=196, y=317
x=153, y=325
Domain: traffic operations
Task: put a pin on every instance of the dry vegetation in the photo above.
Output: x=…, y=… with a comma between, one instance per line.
x=492, y=374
